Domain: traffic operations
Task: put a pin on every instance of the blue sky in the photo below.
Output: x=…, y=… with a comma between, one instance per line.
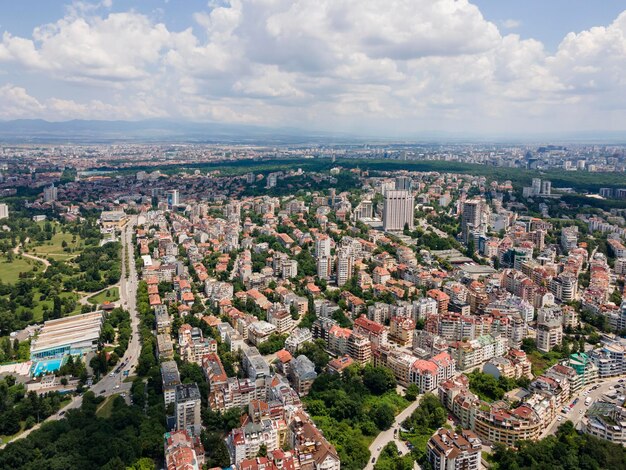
x=550, y=20
x=378, y=67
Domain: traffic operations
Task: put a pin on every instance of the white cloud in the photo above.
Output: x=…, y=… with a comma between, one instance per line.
x=367, y=64
x=511, y=24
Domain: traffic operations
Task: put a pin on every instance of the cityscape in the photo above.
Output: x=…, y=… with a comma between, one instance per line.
x=321, y=289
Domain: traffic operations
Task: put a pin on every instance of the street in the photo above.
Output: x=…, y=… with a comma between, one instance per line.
x=574, y=414
x=387, y=436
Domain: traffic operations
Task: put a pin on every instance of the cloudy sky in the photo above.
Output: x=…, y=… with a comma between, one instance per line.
x=384, y=67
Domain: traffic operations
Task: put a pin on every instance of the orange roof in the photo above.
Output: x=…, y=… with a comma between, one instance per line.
x=369, y=325
x=284, y=356
x=424, y=366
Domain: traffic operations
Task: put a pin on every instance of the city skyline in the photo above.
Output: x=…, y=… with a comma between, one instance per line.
x=385, y=69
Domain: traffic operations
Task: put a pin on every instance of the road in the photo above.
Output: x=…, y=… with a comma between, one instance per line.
x=425, y=225
x=387, y=436
x=574, y=414
x=45, y=262
x=85, y=299
x=114, y=383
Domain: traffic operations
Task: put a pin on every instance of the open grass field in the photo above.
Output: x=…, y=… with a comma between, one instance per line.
x=43, y=302
x=10, y=272
x=113, y=295
x=54, y=248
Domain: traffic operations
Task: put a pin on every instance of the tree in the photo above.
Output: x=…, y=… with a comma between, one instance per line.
x=143, y=463
x=295, y=315
x=56, y=307
x=216, y=450
x=383, y=416
x=262, y=451
x=316, y=352
x=430, y=414
x=412, y=392
x=379, y=379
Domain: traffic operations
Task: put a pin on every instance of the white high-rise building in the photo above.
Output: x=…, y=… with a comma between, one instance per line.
x=322, y=246
x=398, y=210
x=345, y=266
x=4, y=211
x=549, y=329
x=50, y=194
x=324, y=267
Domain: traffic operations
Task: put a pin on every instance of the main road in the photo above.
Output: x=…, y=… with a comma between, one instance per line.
x=114, y=382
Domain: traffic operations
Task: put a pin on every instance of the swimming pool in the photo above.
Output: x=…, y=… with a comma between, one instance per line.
x=48, y=366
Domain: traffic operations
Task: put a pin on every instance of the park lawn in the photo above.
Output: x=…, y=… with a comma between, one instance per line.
x=10, y=272
x=105, y=409
x=114, y=295
x=39, y=307
x=53, y=248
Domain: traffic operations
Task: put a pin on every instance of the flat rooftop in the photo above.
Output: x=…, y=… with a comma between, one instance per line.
x=67, y=331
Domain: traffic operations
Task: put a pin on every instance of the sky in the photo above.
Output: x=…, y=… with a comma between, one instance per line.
x=393, y=68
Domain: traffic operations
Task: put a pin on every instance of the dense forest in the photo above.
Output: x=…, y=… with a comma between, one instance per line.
x=84, y=441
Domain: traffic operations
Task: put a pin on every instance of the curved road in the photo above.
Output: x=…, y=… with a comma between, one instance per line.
x=113, y=383
x=45, y=262
x=387, y=436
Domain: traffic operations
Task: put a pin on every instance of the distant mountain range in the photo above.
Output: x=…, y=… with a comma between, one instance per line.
x=179, y=131
x=154, y=130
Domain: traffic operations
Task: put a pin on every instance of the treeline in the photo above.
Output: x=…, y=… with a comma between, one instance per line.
x=147, y=356
x=83, y=440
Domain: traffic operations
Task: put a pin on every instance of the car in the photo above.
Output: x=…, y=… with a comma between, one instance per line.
x=373, y=459
x=111, y=374
x=61, y=413
x=117, y=386
x=580, y=412
x=122, y=394
x=102, y=392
